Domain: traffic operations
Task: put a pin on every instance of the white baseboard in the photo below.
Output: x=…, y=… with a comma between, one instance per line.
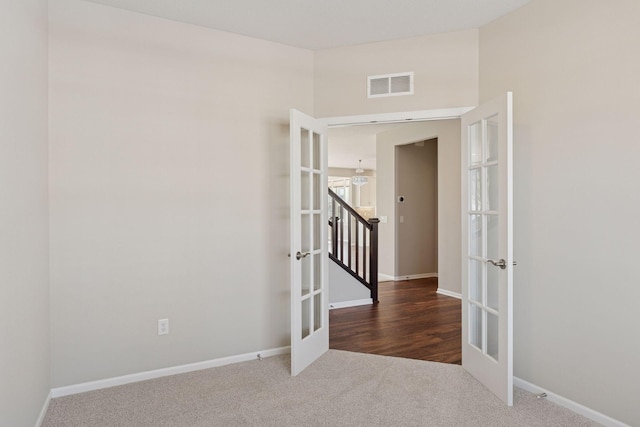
x=569, y=404
x=43, y=412
x=449, y=293
x=352, y=303
x=415, y=276
x=386, y=278
x=148, y=375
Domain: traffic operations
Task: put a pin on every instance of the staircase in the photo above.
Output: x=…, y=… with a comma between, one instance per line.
x=353, y=243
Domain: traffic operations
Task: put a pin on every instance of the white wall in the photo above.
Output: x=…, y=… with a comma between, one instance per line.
x=169, y=175
x=449, y=238
x=573, y=67
x=445, y=68
x=343, y=287
x=24, y=246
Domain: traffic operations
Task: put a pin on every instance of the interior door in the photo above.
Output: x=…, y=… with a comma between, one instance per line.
x=487, y=245
x=309, y=244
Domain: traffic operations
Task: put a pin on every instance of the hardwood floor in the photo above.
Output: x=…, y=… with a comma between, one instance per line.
x=411, y=321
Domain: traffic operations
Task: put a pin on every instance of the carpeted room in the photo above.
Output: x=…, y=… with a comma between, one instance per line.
x=339, y=389
x=80, y=301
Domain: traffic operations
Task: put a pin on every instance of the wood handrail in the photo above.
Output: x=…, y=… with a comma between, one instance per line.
x=367, y=276
x=349, y=209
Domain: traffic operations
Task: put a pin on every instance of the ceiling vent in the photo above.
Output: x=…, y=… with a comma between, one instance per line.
x=390, y=85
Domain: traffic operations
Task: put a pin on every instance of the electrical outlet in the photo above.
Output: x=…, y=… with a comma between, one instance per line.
x=163, y=326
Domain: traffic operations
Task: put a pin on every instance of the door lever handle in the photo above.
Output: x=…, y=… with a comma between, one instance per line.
x=300, y=255
x=501, y=263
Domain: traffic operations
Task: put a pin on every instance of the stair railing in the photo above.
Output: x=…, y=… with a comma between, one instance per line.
x=354, y=243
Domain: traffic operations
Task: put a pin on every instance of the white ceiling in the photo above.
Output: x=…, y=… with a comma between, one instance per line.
x=320, y=24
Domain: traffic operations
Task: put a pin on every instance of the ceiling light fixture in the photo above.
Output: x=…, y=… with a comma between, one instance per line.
x=359, y=179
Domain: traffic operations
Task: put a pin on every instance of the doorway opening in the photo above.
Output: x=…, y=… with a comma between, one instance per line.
x=383, y=143
x=413, y=317
x=416, y=209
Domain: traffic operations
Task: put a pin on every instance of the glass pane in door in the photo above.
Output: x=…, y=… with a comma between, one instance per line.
x=475, y=143
x=475, y=326
x=475, y=189
x=306, y=318
x=492, y=236
x=306, y=278
x=305, y=233
x=317, y=276
x=317, y=312
x=493, y=336
x=305, y=188
x=317, y=224
x=493, y=289
x=492, y=138
x=317, y=159
x=475, y=280
x=492, y=188
x=475, y=235
x=305, y=149
x=317, y=191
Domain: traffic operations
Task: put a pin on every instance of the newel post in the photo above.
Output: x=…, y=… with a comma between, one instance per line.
x=373, y=259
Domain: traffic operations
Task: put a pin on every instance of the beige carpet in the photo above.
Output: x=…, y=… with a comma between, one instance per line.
x=340, y=389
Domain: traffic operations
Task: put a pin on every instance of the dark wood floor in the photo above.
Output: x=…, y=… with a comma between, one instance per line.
x=411, y=321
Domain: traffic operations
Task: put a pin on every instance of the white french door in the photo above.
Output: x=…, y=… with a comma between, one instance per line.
x=487, y=245
x=309, y=244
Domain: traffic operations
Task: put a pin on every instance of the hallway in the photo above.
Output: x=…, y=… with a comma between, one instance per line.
x=411, y=321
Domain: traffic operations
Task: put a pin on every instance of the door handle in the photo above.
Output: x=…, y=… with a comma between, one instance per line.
x=300, y=255
x=500, y=263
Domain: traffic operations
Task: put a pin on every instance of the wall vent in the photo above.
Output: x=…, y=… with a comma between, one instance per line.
x=390, y=85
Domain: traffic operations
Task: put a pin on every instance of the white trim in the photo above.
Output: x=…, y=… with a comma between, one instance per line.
x=415, y=276
x=416, y=116
x=44, y=410
x=449, y=293
x=352, y=303
x=164, y=372
x=569, y=404
x=387, y=278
